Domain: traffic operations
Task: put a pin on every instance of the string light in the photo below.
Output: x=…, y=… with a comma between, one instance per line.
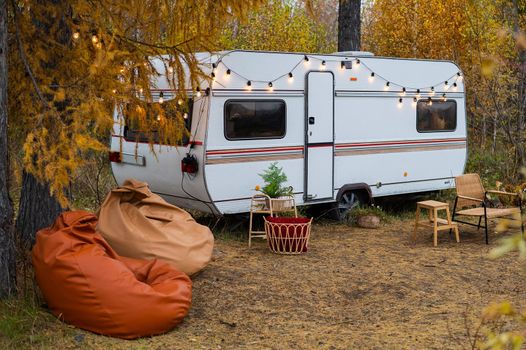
x=198, y=92
x=443, y=98
x=161, y=98
x=94, y=39
x=170, y=69
x=98, y=45
x=348, y=65
x=158, y=117
x=76, y=35
x=400, y=102
x=180, y=102
x=429, y=101
x=185, y=116
x=140, y=90
x=415, y=100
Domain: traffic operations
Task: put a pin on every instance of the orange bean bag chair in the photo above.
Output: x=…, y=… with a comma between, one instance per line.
x=140, y=224
x=87, y=284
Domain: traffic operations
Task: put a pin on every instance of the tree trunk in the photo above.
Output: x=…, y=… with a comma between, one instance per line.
x=7, y=241
x=349, y=25
x=38, y=209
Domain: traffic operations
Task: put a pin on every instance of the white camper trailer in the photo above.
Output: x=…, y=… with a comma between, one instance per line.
x=345, y=127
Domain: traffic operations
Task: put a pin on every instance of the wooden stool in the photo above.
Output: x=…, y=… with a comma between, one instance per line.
x=433, y=207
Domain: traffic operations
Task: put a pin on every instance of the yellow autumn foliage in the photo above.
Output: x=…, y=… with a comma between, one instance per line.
x=71, y=63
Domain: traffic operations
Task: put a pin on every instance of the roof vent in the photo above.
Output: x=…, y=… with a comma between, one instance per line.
x=354, y=53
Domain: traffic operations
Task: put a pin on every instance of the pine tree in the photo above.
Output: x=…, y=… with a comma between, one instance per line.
x=7, y=251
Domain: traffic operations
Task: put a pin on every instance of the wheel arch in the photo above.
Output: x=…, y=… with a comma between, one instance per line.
x=360, y=186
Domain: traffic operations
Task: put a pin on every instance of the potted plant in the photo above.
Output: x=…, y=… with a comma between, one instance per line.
x=274, y=179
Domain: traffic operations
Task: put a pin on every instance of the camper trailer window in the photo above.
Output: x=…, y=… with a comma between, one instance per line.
x=436, y=116
x=134, y=133
x=254, y=119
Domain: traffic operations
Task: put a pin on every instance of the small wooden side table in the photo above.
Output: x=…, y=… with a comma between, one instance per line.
x=437, y=223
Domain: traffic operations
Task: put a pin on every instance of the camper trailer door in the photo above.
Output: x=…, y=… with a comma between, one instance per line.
x=319, y=138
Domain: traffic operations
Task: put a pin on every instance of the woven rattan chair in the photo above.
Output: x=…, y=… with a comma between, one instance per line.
x=471, y=202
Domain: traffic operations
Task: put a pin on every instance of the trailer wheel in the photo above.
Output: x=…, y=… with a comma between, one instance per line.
x=347, y=202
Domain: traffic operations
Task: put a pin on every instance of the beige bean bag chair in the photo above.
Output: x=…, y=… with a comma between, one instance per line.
x=140, y=224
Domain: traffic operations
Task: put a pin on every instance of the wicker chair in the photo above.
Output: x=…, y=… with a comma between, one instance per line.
x=471, y=201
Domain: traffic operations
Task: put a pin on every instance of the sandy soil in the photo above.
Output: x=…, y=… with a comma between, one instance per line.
x=354, y=289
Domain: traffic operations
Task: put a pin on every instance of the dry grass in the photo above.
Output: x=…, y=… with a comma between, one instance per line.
x=355, y=289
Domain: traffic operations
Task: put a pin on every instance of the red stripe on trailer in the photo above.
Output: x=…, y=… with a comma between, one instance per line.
x=254, y=150
x=389, y=143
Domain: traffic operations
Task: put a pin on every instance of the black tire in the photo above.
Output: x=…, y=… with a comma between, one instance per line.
x=347, y=202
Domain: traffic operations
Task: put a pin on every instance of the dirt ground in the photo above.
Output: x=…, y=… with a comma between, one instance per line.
x=355, y=289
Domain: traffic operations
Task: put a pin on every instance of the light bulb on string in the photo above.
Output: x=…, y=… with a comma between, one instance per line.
x=386, y=87
x=417, y=93
x=443, y=98
x=158, y=117
x=306, y=60
x=249, y=85
x=429, y=101
x=291, y=77
x=94, y=39
x=198, y=92
x=371, y=77
x=185, y=116
x=455, y=87
x=403, y=91
x=76, y=35
x=161, y=98
x=270, y=86
x=323, y=65
x=446, y=85
x=357, y=63
x=228, y=71
x=180, y=102
x=214, y=68
x=140, y=91
x=400, y=102
x=415, y=100
x=213, y=75
x=432, y=92
x=342, y=65
x=459, y=76
x=170, y=69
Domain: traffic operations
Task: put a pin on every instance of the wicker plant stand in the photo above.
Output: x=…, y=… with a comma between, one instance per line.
x=264, y=205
